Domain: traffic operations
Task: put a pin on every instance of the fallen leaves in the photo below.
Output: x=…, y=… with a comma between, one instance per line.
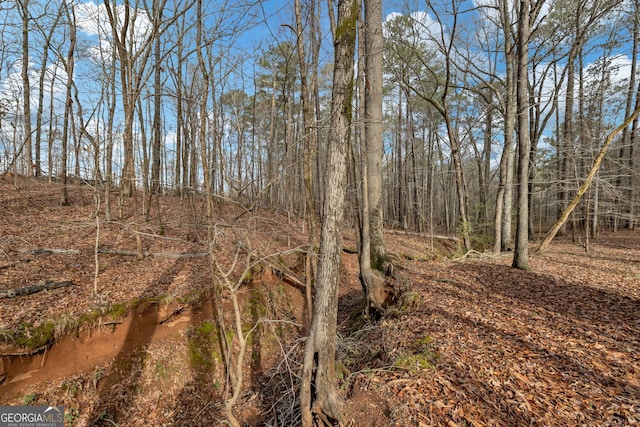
x=554, y=346
x=486, y=345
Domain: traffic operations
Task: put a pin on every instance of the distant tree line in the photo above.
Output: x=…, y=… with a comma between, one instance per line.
x=481, y=123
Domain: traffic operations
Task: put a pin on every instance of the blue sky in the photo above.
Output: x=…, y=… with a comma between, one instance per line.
x=265, y=27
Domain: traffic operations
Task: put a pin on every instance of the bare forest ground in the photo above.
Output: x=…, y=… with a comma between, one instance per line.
x=474, y=342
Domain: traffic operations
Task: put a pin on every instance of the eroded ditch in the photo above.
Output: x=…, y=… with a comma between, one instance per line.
x=96, y=347
x=118, y=344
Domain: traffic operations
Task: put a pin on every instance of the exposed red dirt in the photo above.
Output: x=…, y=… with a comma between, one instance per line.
x=475, y=343
x=88, y=349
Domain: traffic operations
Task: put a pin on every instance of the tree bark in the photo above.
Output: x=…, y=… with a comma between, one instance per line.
x=26, y=85
x=504, y=196
x=319, y=396
x=157, y=111
x=373, y=127
x=372, y=281
x=307, y=120
x=521, y=250
x=68, y=65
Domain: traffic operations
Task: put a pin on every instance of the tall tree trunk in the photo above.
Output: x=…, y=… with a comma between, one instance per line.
x=307, y=120
x=69, y=65
x=521, y=250
x=319, y=360
x=567, y=140
x=157, y=111
x=373, y=126
x=629, y=138
x=484, y=172
x=110, y=95
x=314, y=40
x=128, y=101
x=203, y=111
x=26, y=86
x=177, y=178
x=633, y=142
x=41, y=91
x=372, y=281
x=504, y=197
x=51, y=126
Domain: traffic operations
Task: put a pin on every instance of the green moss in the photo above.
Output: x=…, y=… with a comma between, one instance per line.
x=90, y=318
x=423, y=358
x=200, y=345
x=414, y=363
x=71, y=416
x=247, y=277
x=206, y=328
x=118, y=310
x=424, y=341
x=257, y=306
x=231, y=334
x=193, y=299
x=71, y=388
x=33, y=337
x=29, y=398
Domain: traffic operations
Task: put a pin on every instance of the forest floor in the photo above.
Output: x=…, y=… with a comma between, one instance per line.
x=131, y=342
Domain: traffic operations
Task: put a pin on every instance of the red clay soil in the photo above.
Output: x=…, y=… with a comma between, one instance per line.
x=475, y=343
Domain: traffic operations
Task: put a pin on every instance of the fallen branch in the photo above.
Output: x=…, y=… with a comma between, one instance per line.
x=287, y=277
x=475, y=254
x=586, y=183
x=50, y=251
x=111, y=323
x=426, y=236
x=32, y=289
x=154, y=254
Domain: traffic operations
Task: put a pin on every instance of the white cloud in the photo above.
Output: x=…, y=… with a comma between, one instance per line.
x=11, y=87
x=93, y=20
x=425, y=26
x=490, y=10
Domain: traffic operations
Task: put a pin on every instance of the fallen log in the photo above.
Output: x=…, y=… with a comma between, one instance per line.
x=50, y=251
x=154, y=254
x=426, y=236
x=32, y=289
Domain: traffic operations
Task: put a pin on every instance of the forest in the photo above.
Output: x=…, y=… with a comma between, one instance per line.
x=264, y=142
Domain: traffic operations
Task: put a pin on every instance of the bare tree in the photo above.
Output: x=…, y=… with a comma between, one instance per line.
x=319, y=360
x=373, y=127
x=629, y=136
x=526, y=14
x=504, y=195
x=371, y=279
x=69, y=64
x=310, y=144
x=444, y=72
x=133, y=51
x=48, y=40
x=25, y=14
x=587, y=182
x=157, y=104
